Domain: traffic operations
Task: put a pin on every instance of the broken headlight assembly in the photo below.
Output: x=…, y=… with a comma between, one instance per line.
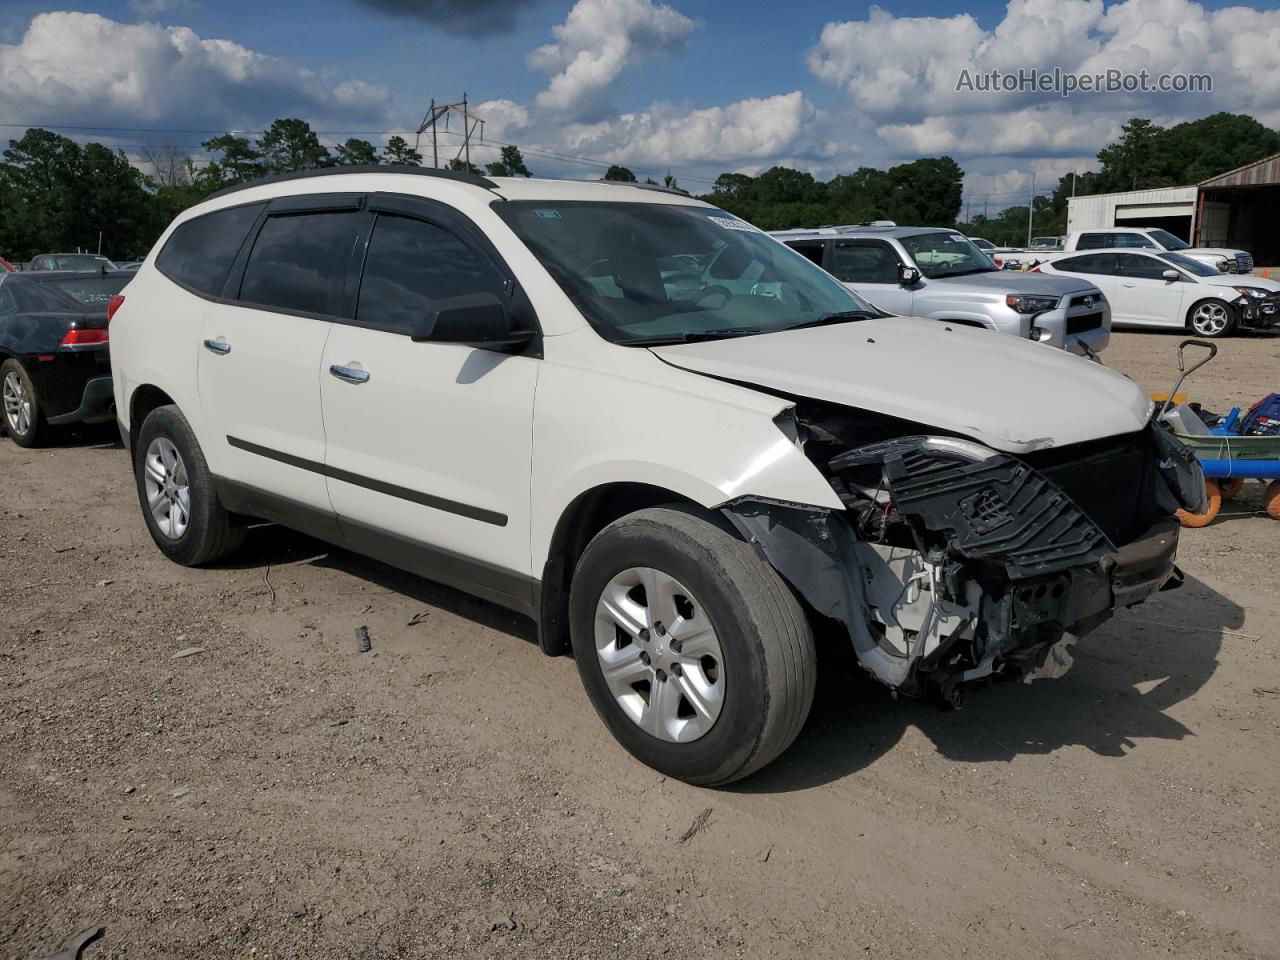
x=953, y=562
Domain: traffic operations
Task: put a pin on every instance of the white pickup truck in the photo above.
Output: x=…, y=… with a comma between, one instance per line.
x=1144, y=238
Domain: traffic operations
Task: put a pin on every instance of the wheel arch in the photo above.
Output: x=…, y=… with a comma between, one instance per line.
x=144, y=399
x=585, y=516
x=1210, y=298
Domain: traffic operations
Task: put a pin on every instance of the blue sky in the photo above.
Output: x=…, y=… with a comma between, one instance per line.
x=695, y=86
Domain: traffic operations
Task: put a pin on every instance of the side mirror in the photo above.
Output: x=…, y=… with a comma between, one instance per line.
x=1171, y=275
x=475, y=320
x=907, y=276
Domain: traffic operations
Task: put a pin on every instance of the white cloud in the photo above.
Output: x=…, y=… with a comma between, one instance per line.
x=598, y=40
x=901, y=73
x=77, y=67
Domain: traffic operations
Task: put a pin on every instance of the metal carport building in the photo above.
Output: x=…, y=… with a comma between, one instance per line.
x=1241, y=209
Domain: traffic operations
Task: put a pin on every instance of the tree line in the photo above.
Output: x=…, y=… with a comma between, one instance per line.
x=56, y=195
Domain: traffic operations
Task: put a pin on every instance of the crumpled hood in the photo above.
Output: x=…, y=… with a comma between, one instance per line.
x=1010, y=394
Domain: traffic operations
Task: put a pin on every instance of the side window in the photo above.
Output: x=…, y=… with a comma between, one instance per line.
x=1145, y=268
x=1095, y=263
x=811, y=249
x=199, y=253
x=1133, y=240
x=864, y=261
x=299, y=259
x=1095, y=241
x=411, y=263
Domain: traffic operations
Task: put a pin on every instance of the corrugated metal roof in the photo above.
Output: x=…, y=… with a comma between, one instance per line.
x=1259, y=173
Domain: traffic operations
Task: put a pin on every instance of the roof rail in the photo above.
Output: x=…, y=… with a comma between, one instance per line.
x=643, y=186
x=474, y=179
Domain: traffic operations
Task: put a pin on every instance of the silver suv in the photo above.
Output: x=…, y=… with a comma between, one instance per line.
x=940, y=275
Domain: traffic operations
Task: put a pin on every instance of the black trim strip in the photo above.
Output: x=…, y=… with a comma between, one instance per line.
x=378, y=486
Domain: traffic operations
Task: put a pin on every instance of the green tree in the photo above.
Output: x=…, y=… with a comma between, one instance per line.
x=462, y=166
x=42, y=172
x=510, y=164
x=621, y=174
x=355, y=152
x=289, y=145
x=1133, y=160
x=238, y=160
x=398, y=151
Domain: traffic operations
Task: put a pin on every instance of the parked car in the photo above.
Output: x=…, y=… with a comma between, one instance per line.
x=54, y=368
x=70, y=261
x=1154, y=238
x=941, y=275
x=1163, y=289
x=986, y=246
x=669, y=439
x=1047, y=243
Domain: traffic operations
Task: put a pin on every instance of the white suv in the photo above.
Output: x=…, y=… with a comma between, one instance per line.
x=675, y=443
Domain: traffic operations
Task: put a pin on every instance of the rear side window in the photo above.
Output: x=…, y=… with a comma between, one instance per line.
x=864, y=261
x=811, y=250
x=411, y=263
x=298, y=261
x=199, y=253
x=1097, y=263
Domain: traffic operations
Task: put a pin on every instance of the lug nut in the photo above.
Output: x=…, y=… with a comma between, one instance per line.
x=644, y=634
x=660, y=628
x=662, y=676
x=675, y=645
x=677, y=670
x=644, y=658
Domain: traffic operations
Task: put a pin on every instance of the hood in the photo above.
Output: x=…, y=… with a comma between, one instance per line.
x=1222, y=252
x=1242, y=280
x=1010, y=394
x=1015, y=281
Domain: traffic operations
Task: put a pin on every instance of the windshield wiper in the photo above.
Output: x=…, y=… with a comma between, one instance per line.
x=827, y=319
x=694, y=336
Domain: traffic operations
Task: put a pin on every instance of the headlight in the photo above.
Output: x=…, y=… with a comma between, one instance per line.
x=1030, y=303
x=1255, y=292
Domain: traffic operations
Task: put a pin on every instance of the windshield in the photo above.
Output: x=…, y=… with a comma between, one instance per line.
x=1194, y=267
x=946, y=255
x=73, y=261
x=91, y=291
x=1168, y=240
x=646, y=273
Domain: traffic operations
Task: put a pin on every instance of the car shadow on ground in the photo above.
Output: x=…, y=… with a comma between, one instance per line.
x=1127, y=674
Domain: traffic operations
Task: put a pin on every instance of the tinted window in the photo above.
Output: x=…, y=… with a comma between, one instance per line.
x=199, y=253
x=1145, y=268
x=1097, y=263
x=809, y=248
x=409, y=264
x=864, y=261
x=91, y=291
x=298, y=259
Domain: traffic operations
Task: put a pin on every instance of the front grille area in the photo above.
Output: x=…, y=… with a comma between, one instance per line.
x=1084, y=322
x=1085, y=300
x=1112, y=481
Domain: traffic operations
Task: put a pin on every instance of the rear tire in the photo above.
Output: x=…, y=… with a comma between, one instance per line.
x=729, y=671
x=177, y=494
x=22, y=410
x=1212, y=318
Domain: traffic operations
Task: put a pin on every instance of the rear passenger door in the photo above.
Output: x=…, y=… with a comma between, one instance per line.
x=870, y=268
x=430, y=444
x=262, y=344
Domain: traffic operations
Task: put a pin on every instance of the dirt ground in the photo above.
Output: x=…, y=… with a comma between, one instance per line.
x=452, y=793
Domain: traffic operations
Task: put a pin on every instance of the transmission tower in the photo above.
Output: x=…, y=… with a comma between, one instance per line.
x=439, y=112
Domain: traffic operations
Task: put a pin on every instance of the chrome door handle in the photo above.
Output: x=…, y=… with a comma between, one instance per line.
x=219, y=346
x=349, y=374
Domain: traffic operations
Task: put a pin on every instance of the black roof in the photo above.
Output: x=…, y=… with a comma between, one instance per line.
x=461, y=177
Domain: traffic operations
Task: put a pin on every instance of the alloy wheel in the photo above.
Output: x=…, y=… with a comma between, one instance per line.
x=1210, y=319
x=659, y=654
x=17, y=404
x=168, y=490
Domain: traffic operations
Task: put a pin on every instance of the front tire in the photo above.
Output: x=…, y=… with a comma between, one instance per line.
x=24, y=418
x=177, y=494
x=693, y=650
x=1212, y=318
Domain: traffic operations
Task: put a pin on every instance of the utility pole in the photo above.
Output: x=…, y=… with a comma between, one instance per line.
x=1031, y=207
x=441, y=111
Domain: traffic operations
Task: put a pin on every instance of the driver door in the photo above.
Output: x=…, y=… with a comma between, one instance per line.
x=870, y=268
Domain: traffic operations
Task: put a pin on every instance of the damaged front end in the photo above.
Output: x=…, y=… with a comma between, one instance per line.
x=954, y=562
